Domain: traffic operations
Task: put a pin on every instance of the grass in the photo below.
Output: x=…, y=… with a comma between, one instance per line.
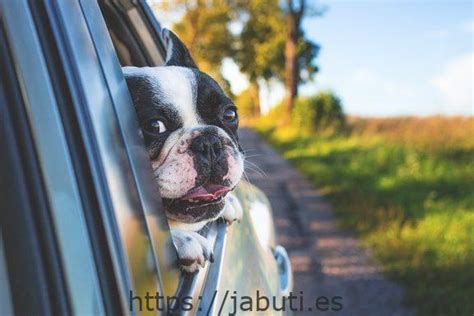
x=406, y=186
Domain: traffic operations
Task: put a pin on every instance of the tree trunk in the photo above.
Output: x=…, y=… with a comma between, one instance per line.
x=291, y=63
x=255, y=92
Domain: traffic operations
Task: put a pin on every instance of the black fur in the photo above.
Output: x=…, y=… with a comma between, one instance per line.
x=180, y=55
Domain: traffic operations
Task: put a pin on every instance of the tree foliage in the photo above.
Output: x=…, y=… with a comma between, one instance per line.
x=204, y=29
x=260, y=50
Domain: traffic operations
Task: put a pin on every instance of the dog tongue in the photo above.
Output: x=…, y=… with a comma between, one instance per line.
x=207, y=192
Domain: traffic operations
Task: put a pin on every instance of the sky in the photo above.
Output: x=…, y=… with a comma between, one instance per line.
x=388, y=58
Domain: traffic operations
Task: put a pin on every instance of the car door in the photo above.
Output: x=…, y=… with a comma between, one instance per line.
x=88, y=235
x=247, y=259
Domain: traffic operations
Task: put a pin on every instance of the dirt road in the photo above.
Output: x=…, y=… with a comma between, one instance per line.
x=326, y=260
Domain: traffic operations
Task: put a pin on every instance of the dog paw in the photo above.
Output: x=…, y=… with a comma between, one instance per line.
x=193, y=250
x=233, y=210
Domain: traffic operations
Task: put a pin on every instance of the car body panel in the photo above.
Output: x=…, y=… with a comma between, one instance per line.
x=247, y=267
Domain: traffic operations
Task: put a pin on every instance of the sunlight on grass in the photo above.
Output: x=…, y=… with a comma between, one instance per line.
x=406, y=186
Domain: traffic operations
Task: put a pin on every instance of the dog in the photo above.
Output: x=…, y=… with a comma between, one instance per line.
x=190, y=131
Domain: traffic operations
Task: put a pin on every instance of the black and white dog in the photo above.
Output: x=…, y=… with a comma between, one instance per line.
x=190, y=129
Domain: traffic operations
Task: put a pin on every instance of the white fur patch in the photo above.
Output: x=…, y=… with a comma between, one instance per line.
x=236, y=165
x=192, y=247
x=177, y=85
x=176, y=176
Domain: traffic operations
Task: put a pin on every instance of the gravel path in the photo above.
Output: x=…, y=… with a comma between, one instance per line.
x=326, y=260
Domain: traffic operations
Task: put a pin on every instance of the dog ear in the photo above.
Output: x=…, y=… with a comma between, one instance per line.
x=176, y=52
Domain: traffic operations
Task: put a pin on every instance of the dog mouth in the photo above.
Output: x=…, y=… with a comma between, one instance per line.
x=200, y=203
x=207, y=193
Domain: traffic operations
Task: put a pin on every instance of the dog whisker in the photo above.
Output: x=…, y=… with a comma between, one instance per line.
x=244, y=174
x=257, y=172
x=252, y=156
x=253, y=167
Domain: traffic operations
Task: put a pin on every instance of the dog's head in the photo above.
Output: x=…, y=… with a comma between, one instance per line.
x=190, y=129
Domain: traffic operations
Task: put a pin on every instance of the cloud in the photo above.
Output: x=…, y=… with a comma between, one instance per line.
x=455, y=84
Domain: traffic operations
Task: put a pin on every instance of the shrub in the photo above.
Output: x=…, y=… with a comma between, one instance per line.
x=320, y=113
x=303, y=117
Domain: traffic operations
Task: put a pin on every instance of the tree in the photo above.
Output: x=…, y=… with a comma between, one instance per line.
x=272, y=44
x=299, y=51
x=204, y=29
x=259, y=51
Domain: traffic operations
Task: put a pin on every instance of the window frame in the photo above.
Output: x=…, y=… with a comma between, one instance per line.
x=121, y=168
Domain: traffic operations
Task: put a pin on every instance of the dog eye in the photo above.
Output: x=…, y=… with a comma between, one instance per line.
x=155, y=126
x=230, y=115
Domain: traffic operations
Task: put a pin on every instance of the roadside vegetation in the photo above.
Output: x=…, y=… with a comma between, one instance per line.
x=405, y=185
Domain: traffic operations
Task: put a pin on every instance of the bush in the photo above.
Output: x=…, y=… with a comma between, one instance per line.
x=303, y=116
x=320, y=113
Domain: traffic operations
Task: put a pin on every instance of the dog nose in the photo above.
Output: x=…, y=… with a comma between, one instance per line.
x=207, y=147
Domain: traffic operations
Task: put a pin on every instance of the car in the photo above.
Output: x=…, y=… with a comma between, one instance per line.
x=82, y=228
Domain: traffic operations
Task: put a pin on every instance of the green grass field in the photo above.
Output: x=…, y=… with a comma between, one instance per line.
x=406, y=186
